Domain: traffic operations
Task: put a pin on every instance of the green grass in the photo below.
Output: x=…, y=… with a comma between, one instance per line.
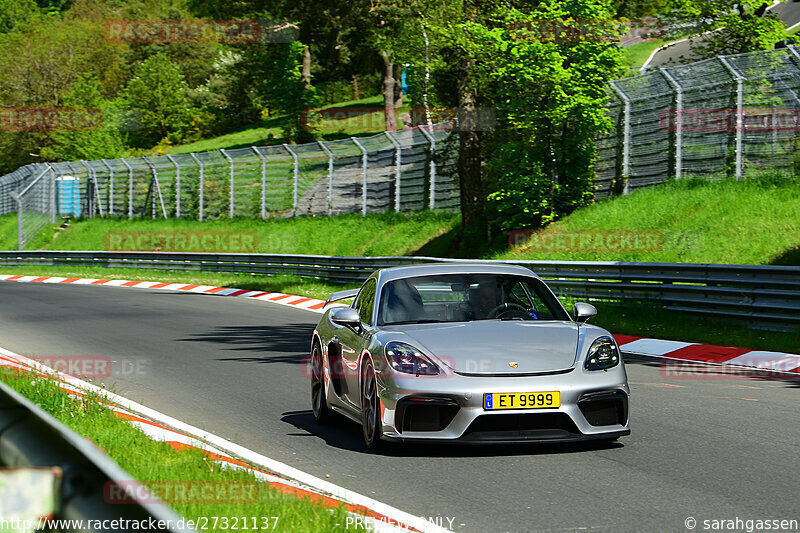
x=269, y=131
x=152, y=462
x=755, y=222
x=8, y=232
x=376, y=234
x=635, y=55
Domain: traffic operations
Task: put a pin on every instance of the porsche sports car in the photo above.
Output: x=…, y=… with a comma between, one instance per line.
x=472, y=353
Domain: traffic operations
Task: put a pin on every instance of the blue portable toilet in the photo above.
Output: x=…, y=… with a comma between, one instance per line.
x=68, y=191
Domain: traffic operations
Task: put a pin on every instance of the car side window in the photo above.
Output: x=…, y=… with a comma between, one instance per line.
x=366, y=301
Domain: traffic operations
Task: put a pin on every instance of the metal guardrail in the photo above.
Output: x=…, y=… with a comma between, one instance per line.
x=760, y=294
x=29, y=437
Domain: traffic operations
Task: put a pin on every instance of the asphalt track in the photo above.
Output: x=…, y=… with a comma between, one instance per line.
x=707, y=449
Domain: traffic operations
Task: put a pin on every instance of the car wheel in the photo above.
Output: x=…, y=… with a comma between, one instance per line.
x=319, y=404
x=371, y=421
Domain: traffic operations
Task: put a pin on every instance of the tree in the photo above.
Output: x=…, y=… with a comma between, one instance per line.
x=158, y=95
x=13, y=13
x=104, y=139
x=729, y=26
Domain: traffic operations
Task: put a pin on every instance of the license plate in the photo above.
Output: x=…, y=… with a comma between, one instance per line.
x=493, y=401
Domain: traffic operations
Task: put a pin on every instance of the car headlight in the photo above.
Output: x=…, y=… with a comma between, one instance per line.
x=603, y=354
x=408, y=360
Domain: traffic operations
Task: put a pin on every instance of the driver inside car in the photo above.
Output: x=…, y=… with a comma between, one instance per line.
x=484, y=299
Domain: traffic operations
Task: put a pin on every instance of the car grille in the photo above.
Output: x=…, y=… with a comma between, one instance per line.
x=426, y=414
x=605, y=409
x=521, y=427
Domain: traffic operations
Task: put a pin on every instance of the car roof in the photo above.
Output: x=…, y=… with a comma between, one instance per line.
x=431, y=269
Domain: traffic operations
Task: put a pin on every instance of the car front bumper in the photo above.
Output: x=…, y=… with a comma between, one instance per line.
x=449, y=407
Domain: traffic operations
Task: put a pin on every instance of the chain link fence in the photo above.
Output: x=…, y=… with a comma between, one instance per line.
x=726, y=116
x=400, y=171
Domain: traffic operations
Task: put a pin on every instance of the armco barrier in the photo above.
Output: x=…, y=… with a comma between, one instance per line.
x=29, y=437
x=763, y=295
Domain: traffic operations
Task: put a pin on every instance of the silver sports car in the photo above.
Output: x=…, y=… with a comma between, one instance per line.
x=474, y=353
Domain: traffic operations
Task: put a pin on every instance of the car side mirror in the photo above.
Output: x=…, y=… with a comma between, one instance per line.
x=584, y=311
x=348, y=317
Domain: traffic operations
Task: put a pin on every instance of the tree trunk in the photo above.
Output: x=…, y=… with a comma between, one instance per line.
x=356, y=91
x=473, y=213
x=388, y=91
x=398, y=86
x=306, y=74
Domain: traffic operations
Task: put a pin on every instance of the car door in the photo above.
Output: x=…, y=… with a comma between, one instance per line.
x=353, y=342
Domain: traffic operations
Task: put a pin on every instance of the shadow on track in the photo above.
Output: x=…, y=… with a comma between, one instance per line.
x=287, y=343
x=346, y=435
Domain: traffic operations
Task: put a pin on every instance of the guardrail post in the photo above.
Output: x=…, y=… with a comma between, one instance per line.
x=110, y=187
x=296, y=178
x=432, y=141
x=739, y=114
x=263, y=181
x=177, y=186
x=330, y=177
x=364, y=159
x=130, y=187
x=678, y=121
x=626, y=135
x=202, y=186
x=397, y=162
x=233, y=181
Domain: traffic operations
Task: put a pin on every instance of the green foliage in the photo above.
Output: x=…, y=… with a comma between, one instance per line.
x=14, y=13
x=103, y=140
x=158, y=94
x=548, y=96
x=738, y=25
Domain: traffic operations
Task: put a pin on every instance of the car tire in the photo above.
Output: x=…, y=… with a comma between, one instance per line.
x=319, y=403
x=371, y=420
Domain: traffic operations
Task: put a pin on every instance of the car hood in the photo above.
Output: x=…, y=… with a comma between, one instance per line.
x=498, y=347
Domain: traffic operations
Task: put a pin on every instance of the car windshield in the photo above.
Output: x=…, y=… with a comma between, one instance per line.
x=467, y=297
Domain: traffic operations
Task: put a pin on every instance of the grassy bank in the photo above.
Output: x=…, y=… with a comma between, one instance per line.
x=755, y=222
x=375, y=234
x=158, y=465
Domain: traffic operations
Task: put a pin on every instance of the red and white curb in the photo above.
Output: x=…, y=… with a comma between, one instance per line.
x=292, y=300
x=773, y=362
x=373, y=515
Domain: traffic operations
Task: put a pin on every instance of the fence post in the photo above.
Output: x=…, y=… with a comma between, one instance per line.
x=364, y=162
x=157, y=188
x=233, y=174
x=739, y=113
x=263, y=181
x=432, y=141
x=110, y=187
x=177, y=186
x=53, y=192
x=130, y=187
x=96, y=202
x=296, y=178
x=626, y=135
x=202, y=187
x=678, y=121
x=330, y=177
x=397, y=161
x=20, y=239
